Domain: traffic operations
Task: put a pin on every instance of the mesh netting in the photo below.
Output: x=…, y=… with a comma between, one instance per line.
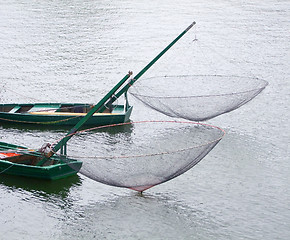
x=196, y=97
x=143, y=154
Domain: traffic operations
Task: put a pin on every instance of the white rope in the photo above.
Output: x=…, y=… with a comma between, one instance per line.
x=6, y=169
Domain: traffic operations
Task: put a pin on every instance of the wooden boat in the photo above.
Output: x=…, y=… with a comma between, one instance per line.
x=46, y=163
x=15, y=161
x=61, y=114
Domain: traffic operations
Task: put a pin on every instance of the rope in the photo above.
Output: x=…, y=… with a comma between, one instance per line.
x=265, y=83
x=22, y=95
x=44, y=123
x=144, y=155
x=225, y=58
x=7, y=169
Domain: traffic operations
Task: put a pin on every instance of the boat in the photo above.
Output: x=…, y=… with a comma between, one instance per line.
x=61, y=114
x=46, y=162
x=20, y=161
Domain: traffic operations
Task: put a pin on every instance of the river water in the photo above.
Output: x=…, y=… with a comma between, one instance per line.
x=75, y=51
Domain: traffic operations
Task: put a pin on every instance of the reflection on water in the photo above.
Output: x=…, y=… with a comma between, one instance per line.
x=36, y=127
x=137, y=217
x=49, y=129
x=40, y=188
x=28, y=206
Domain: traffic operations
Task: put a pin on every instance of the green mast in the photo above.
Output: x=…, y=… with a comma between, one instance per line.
x=125, y=88
x=99, y=107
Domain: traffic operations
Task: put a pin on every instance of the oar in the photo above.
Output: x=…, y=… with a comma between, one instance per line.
x=100, y=105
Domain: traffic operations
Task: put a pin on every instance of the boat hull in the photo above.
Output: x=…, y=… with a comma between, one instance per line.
x=57, y=114
x=53, y=172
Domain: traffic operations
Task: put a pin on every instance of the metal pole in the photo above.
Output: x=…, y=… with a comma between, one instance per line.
x=100, y=105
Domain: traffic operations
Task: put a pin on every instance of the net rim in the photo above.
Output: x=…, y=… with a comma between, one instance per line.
x=265, y=83
x=223, y=133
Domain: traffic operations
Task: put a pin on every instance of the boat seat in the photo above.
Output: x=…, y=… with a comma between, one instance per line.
x=44, y=108
x=15, y=109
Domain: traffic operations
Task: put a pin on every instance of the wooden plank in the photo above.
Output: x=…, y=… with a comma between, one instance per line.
x=15, y=109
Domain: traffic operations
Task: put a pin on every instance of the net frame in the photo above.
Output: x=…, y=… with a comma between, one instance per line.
x=142, y=187
x=159, y=103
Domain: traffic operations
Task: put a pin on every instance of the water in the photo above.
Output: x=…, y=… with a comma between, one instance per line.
x=75, y=51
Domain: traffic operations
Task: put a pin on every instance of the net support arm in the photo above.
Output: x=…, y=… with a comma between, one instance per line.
x=131, y=82
x=96, y=108
x=99, y=107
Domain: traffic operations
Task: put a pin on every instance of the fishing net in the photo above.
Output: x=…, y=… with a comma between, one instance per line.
x=196, y=97
x=141, y=155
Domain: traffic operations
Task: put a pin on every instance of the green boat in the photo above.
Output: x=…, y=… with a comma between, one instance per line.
x=20, y=161
x=62, y=114
x=45, y=162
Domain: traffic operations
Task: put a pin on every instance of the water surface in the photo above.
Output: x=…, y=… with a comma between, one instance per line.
x=60, y=51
